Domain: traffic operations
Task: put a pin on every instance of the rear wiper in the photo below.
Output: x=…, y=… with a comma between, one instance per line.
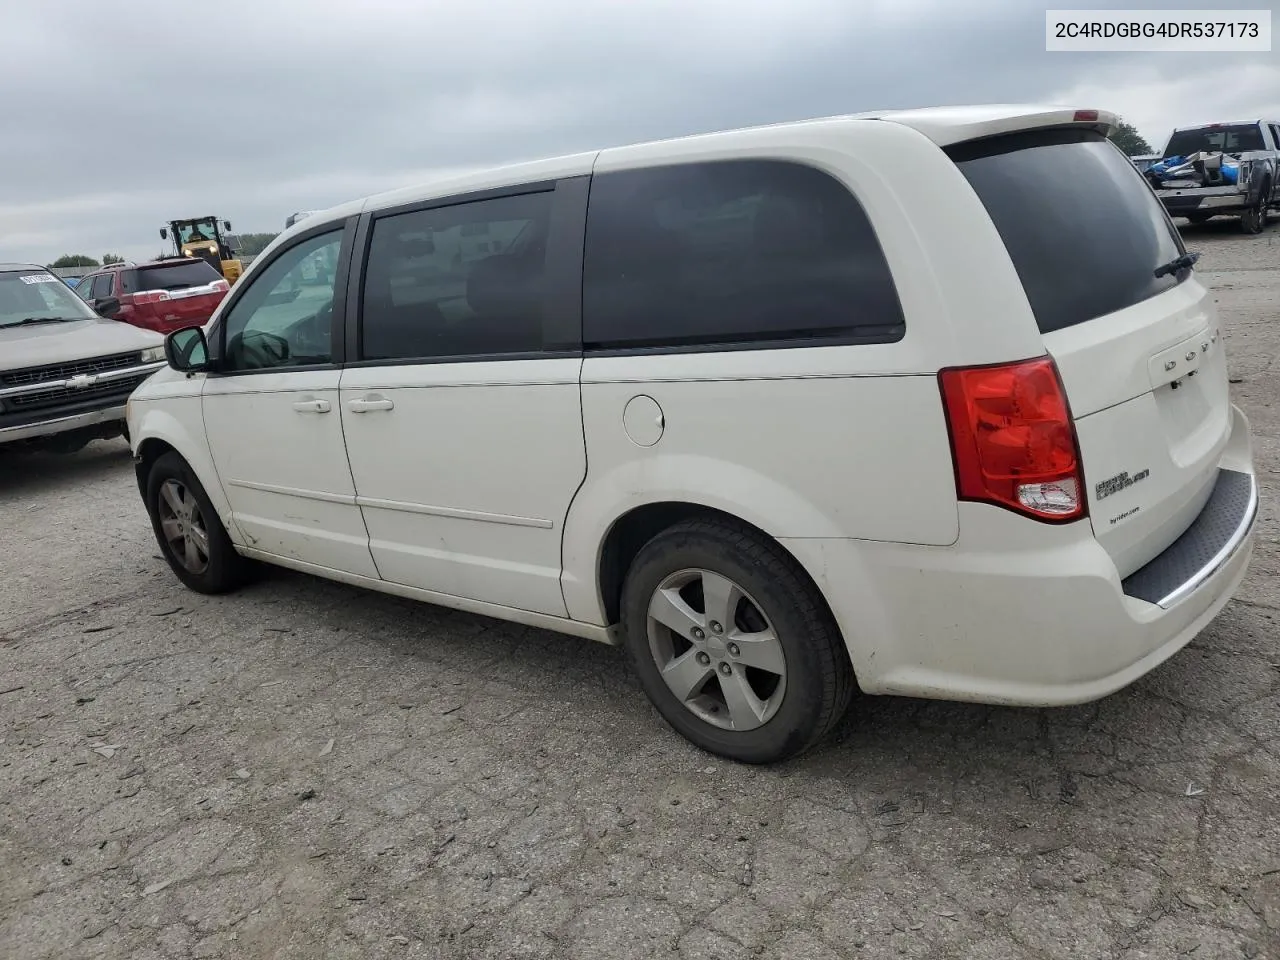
x=1177, y=265
x=1184, y=262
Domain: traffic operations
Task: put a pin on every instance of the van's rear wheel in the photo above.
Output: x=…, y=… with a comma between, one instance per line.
x=732, y=644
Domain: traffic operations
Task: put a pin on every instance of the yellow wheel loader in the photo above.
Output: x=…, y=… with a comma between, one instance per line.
x=203, y=237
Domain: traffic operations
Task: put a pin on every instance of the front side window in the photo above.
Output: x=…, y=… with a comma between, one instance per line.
x=732, y=252
x=102, y=286
x=284, y=317
x=461, y=280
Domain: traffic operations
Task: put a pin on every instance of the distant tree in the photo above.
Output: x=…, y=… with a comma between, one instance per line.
x=251, y=244
x=110, y=258
x=73, y=260
x=1127, y=138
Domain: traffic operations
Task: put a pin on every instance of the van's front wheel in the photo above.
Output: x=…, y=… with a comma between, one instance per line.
x=732, y=644
x=187, y=527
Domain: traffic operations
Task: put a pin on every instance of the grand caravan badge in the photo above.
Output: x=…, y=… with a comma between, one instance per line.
x=1121, y=481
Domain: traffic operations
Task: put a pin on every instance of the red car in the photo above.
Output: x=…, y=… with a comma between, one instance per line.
x=162, y=296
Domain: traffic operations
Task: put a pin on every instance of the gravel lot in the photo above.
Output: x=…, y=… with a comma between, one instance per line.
x=304, y=770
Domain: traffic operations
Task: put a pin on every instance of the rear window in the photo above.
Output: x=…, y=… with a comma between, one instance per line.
x=1084, y=230
x=175, y=276
x=1227, y=139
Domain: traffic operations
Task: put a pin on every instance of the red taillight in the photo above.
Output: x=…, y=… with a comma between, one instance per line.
x=1086, y=116
x=220, y=286
x=144, y=297
x=1012, y=439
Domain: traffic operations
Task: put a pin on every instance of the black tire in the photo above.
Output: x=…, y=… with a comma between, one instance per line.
x=819, y=681
x=1254, y=220
x=225, y=569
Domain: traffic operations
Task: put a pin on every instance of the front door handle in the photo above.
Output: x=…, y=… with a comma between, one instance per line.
x=367, y=404
x=312, y=406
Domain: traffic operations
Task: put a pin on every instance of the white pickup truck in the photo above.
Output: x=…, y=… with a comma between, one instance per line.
x=1219, y=169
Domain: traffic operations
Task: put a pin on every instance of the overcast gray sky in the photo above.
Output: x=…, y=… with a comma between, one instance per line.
x=119, y=116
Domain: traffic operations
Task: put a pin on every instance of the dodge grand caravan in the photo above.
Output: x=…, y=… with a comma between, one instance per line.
x=928, y=403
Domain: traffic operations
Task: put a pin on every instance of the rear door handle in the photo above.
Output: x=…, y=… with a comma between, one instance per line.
x=367, y=404
x=312, y=406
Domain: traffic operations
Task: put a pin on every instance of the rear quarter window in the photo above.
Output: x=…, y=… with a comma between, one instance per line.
x=732, y=253
x=1084, y=231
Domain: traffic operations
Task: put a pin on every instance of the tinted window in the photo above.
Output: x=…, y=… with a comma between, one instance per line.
x=1275, y=136
x=1229, y=139
x=175, y=276
x=1084, y=230
x=750, y=251
x=284, y=316
x=456, y=281
x=102, y=285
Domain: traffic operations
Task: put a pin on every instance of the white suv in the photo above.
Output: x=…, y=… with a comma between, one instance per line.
x=926, y=403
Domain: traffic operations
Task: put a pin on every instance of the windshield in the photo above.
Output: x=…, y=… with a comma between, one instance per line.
x=195, y=232
x=36, y=295
x=1084, y=230
x=1236, y=139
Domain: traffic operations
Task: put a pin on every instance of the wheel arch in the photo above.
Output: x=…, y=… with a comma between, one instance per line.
x=177, y=426
x=631, y=530
x=147, y=453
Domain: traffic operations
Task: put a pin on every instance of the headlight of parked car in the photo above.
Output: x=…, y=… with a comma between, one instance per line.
x=152, y=354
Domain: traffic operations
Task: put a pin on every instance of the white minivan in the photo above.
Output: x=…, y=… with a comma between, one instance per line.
x=927, y=403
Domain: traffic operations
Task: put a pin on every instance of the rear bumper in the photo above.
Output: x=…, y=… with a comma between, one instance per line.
x=1181, y=205
x=1020, y=613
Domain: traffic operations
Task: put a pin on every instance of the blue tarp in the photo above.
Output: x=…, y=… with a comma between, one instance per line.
x=1173, y=168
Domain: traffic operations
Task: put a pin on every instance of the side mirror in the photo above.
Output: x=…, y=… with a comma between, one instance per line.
x=187, y=350
x=107, y=307
x=164, y=233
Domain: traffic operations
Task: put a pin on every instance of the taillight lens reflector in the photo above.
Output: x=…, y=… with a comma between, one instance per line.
x=1012, y=439
x=145, y=296
x=1086, y=116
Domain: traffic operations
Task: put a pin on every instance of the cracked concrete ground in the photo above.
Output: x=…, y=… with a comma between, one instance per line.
x=305, y=770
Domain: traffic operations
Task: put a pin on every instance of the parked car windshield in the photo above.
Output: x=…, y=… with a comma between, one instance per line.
x=1230, y=139
x=175, y=276
x=32, y=296
x=1084, y=231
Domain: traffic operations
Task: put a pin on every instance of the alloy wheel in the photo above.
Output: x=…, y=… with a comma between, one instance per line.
x=716, y=649
x=183, y=525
